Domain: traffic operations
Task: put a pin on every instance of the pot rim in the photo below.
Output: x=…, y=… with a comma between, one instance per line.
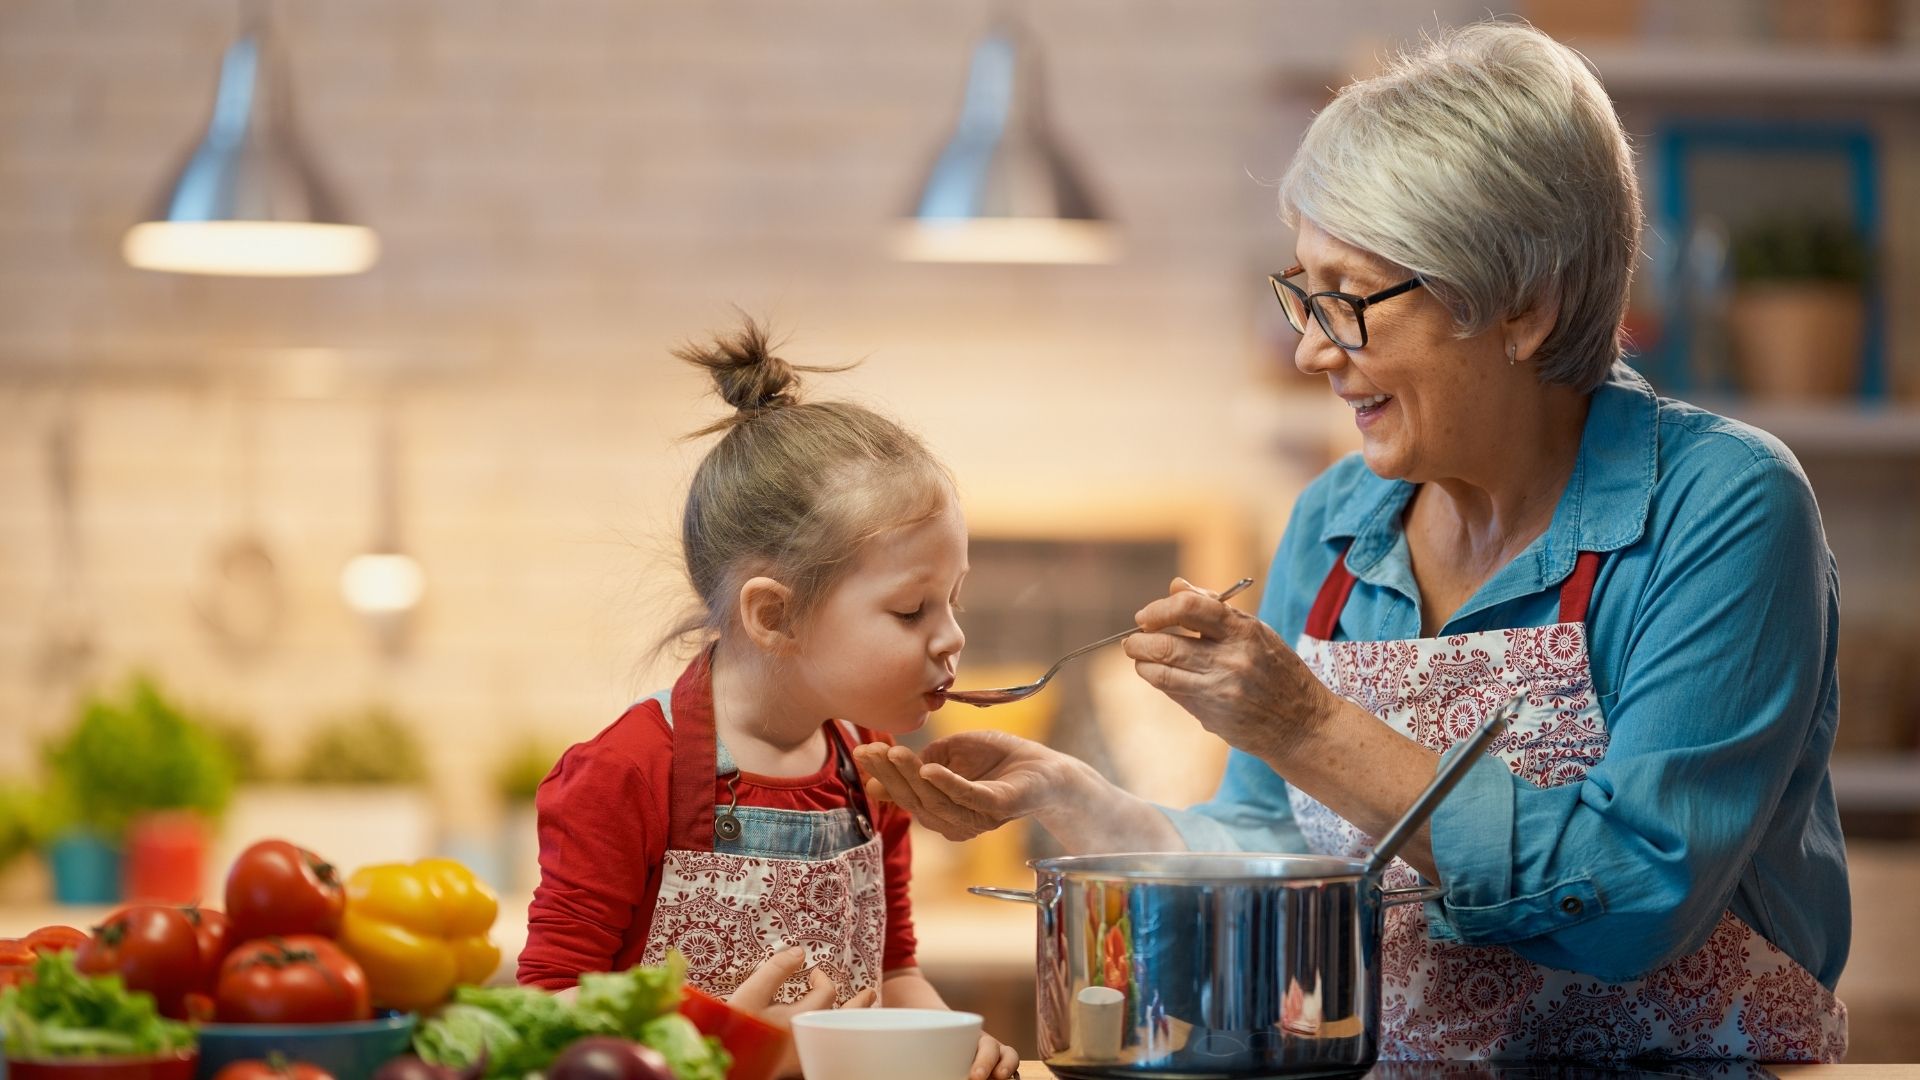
x=1203, y=867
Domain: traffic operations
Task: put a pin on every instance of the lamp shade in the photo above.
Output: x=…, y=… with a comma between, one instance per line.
x=1003, y=189
x=249, y=200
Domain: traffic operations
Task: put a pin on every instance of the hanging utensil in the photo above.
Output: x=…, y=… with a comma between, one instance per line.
x=240, y=601
x=67, y=643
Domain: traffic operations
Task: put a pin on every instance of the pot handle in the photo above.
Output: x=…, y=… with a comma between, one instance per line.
x=1017, y=896
x=1413, y=894
x=1046, y=898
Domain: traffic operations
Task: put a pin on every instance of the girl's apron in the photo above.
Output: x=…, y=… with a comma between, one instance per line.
x=1738, y=996
x=741, y=883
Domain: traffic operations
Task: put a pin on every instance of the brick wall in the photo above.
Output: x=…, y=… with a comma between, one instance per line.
x=563, y=192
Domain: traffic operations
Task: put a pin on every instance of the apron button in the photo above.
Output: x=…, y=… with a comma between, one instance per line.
x=1572, y=905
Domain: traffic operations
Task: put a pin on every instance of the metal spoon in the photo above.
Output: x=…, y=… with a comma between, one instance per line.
x=984, y=698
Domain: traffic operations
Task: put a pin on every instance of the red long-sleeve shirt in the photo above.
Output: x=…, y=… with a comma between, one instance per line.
x=603, y=838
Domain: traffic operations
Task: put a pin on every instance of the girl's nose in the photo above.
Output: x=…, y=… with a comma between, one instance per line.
x=949, y=639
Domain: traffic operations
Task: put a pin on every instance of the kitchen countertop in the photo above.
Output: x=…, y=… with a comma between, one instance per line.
x=1035, y=1071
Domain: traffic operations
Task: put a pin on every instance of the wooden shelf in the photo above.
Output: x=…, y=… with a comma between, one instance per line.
x=1882, y=782
x=1680, y=70
x=1683, y=69
x=1843, y=427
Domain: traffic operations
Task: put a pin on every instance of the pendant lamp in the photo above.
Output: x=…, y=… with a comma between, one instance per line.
x=249, y=200
x=1003, y=190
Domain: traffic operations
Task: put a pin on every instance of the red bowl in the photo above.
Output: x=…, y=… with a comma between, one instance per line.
x=178, y=1065
x=757, y=1046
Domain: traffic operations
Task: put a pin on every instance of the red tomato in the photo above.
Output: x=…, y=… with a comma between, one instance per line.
x=301, y=979
x=277, y=1069
x=14, y=975
x=16, y=951
x=758, y=1048
x=277, y=888
x=151, y=948
x=215, y=934
x=55, y=939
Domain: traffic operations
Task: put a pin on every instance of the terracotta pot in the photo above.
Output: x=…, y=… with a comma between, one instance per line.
x=1798, y=340
x=166, y=857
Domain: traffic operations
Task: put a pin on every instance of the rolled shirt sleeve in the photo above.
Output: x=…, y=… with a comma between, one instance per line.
x=1723, y=706
x=1249, y=812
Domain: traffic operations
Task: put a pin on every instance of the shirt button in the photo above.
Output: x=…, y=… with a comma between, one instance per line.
x=1572, y=905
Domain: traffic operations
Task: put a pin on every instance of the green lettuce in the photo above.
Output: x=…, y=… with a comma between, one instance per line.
x=691, y=1055
x=523, y=1029
x=62, y=1013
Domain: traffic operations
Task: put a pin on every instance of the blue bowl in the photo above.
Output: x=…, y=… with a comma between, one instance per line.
x=350, y=1051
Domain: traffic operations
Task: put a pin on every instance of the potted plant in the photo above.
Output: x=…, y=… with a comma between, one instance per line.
x=516, y=779
x=135, y=766
x=1798, y=313
x=356, y=790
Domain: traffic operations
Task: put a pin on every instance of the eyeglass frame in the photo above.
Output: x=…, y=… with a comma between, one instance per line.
x=1359, y=304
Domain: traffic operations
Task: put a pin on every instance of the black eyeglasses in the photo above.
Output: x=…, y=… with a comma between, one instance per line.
x=1338, y=313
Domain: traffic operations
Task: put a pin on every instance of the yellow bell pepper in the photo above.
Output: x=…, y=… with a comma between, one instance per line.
x=419, y=930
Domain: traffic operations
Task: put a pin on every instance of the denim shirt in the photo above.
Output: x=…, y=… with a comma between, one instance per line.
x=1711, y=636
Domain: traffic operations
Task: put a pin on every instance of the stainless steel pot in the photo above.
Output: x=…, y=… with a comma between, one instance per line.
x=1188, y=965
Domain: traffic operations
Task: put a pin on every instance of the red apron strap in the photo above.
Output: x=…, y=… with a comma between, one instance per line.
x=690, y=781
x=1324, y=619
x=1578, y=590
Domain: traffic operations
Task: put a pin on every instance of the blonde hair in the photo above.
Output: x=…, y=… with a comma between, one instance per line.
x=793, y=489
x=1491, y=163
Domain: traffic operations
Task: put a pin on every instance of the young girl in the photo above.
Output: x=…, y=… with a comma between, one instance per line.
x=724, y=817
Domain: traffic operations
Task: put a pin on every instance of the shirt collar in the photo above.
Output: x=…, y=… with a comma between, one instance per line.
x=1604, y=506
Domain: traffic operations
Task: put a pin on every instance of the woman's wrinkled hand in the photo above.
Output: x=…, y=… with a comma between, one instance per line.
x=1230, y=670
x=968, y=783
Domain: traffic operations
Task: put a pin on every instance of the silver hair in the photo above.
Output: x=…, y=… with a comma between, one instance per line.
x=1491, y=162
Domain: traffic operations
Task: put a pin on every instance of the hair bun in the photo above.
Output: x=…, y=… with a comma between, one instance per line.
x=749, y=377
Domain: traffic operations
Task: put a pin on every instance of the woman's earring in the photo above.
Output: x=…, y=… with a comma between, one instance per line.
x=1513, y=353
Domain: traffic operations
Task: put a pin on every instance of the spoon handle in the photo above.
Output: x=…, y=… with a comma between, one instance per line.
x=1452, y=768
x=1232, y=590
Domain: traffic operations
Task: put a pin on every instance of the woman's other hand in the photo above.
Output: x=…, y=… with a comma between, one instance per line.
x=1234, y=673
x=970, y=782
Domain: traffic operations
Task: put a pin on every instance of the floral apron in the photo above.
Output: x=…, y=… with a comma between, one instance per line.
x=1738, y=996
x=741, y=883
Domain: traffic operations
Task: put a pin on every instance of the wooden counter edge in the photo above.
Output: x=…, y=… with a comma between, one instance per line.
x=1034, y=1070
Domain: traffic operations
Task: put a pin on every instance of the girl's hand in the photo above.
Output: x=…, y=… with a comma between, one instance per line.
x=756, y=992
x=995, y=1060
x=1236, y=676
x=969, y=783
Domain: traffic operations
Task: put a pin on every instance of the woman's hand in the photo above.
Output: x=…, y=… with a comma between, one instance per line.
x=1237, y=677
x=995, y=1060
x=969, y=783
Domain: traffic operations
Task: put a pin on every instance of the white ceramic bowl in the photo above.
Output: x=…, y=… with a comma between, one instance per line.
x=886, y=1044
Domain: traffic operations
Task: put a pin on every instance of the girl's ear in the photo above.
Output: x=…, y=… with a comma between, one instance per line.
x=766, y=609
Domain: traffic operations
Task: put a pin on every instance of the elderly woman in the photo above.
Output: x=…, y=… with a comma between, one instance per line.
x=1649, y=862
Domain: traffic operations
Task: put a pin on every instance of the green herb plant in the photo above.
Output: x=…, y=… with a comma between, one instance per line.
x=133, y=753
x=372, y=746
x=1787, y=247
